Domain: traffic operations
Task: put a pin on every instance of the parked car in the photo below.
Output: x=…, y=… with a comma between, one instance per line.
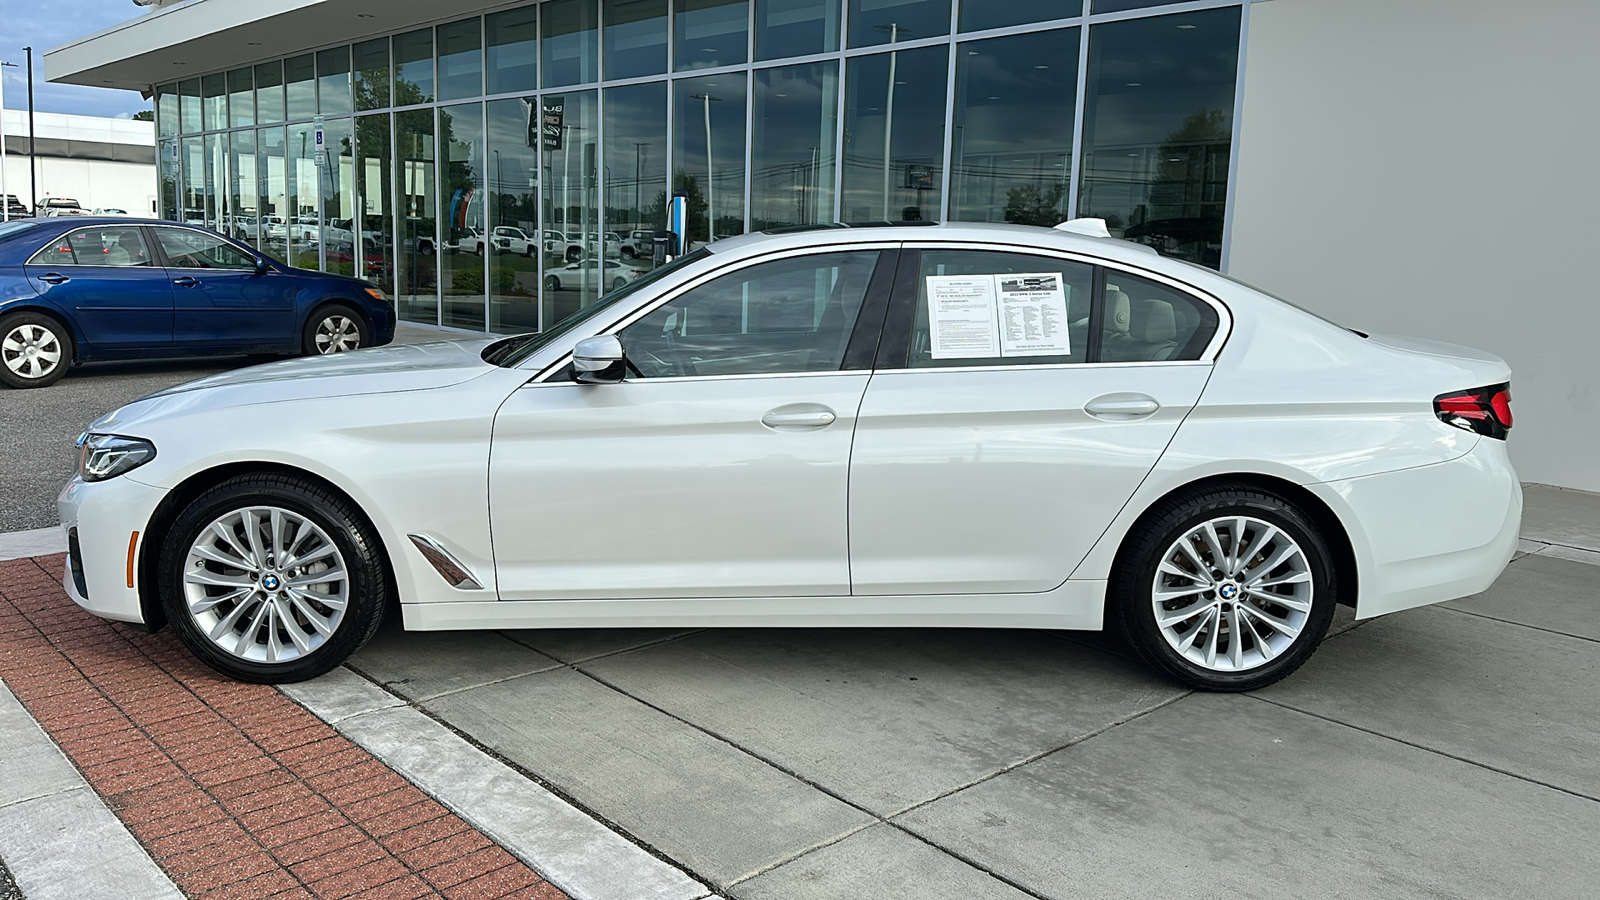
x=639, y=243
x=118, y=288
x=469, y=239
x=60, y=206
x=585, y=274
x=109, y=211
x=15, y=208
x=591, y=244
x=821, y=428
x=511, y=239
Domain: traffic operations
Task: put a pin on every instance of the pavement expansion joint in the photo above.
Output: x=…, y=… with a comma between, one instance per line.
x=1478, y=764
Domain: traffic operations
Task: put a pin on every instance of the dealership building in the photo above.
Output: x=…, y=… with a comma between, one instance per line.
x=1420, y=167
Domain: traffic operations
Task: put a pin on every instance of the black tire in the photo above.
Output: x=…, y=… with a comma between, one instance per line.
x=365, y=578
x=628, y=253
x=341, y=327
x=1265, y=655
x=552, y=283
x=574, y=254
x=618, y=283
x=23, y=332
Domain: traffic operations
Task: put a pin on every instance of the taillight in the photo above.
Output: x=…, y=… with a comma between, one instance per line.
x=1485, y=410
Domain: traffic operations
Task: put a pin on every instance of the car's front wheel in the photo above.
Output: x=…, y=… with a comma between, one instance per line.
x=1227, y=588
x=552, y=283
x=334, y=329
x=35, y=350
x=272, y=579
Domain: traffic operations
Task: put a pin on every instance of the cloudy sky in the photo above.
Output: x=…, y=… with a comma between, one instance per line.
x=44, y=25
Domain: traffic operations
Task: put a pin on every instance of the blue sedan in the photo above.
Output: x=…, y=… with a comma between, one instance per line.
x=87, y=288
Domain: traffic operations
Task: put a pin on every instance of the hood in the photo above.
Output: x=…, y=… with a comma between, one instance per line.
x=404, y=367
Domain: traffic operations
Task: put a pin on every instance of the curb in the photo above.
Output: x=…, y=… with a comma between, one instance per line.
x=38, y=542
x=49, y=816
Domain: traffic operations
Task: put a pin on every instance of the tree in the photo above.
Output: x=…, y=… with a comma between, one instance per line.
x=145, y=115
x=1031, y=205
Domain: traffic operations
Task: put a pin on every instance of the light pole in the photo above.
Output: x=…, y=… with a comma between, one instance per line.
x=638, y=205
x=500, y=186
x=894, y=30
x=711, y=190
x=5, y=198
x=33, y=166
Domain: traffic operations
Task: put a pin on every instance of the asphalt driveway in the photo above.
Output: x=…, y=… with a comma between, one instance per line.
x=40, y=425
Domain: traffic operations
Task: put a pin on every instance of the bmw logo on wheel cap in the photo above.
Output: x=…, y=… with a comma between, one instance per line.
x=270, y=582
x=1228, y=591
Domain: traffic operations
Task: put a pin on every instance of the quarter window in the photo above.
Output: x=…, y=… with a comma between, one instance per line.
x=196, y=250
x=117, y=247
x=789, y=315
x=989, y=308
x=1149, y=322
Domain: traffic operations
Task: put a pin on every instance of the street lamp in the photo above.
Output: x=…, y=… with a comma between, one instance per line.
x=5, y=198
x=638, y=205
x=711, y=190
x=895, y=30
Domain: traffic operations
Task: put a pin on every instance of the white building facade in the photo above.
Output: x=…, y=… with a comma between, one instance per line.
x=100, y=162
x=1396, y=165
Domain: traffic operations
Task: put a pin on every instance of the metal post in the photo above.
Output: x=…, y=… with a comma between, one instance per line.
x=5, y=198
x=888, y=117
x=33, y=166
x=711, y=181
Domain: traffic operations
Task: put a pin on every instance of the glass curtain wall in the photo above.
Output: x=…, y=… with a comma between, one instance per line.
x=570, y=147
x=373, y=177
x=464, y=222
x=417, y=274
x=791, y=165
x=1158, y=130
x=1012, y=147
x=579, y=173
x=708, y=119
x=242, y=188
x=894, y=136
x=513, y=129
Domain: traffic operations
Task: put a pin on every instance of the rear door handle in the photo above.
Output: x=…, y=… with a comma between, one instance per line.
x=1121, y=407
x=820, y=418
x=186, y=281
x=54, y=278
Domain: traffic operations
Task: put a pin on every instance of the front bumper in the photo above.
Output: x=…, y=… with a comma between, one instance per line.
x=105, y=522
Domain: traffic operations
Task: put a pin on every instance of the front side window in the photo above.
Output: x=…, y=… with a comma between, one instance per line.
x=1149, y=322
x=788, y=315
x=196, y=250
x=991, y=308
x=116, y=247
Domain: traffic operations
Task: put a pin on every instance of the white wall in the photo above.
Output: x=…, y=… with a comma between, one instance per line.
x=1432, y=167
x=93, y=183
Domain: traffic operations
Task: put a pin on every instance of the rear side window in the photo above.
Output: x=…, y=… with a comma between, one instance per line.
x=111, y=247
x=1149, y=322
x=992, y=308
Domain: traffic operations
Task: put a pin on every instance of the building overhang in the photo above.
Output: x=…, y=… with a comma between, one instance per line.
x=199, y=36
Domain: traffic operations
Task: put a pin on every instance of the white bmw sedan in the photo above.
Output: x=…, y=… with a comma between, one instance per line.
x=954, y=425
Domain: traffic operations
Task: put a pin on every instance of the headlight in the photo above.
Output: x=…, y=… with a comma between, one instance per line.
x=102, y=456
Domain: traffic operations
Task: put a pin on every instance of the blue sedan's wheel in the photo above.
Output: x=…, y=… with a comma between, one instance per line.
x=334, y=329
x=35, y=350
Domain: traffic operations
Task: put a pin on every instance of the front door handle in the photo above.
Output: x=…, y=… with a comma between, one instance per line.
x=54, y=278
x=816, y=418
x=1122, y=407
x=186, y=281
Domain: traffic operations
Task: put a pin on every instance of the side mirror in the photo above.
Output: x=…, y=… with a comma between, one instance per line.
x=262, y=266
x=599, y=360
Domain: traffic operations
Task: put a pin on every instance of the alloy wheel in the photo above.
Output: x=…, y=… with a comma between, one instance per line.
x=265, y=584
x=1232, y=594
x=30, y=351
x=336, y=334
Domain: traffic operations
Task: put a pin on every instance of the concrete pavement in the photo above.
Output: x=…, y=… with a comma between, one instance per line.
x=1445, y=751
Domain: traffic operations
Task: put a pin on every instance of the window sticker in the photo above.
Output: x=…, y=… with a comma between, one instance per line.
x=986, y=316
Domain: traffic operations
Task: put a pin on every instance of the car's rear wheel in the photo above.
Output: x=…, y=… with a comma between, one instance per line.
x=271, y=579
x=574, y=254
x=334, y=329
x=1227, y=588
x=35, y=350
x=552, y=283
x=618, y=283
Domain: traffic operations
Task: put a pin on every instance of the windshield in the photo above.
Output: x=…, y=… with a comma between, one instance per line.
x=8, y=229
x=512, y=351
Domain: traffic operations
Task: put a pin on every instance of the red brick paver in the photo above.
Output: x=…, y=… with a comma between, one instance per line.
x=236, y=790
